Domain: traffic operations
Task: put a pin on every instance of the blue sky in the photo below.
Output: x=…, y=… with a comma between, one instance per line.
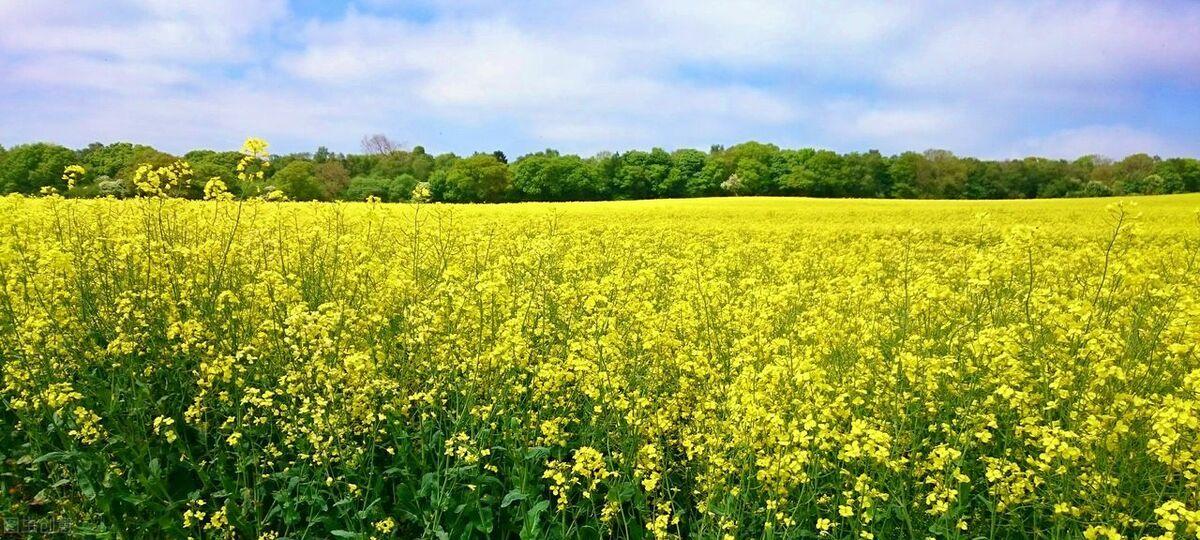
x=991, y=79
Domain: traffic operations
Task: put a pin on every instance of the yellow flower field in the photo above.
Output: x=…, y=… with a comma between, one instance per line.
x=710, y=368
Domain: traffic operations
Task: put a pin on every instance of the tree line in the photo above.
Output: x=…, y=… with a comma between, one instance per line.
x=388, y=172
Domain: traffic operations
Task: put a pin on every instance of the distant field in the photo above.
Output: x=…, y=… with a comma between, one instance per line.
x=705, y=368
x=1084, y=215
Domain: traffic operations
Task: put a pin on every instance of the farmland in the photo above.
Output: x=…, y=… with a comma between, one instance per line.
x=706, y=368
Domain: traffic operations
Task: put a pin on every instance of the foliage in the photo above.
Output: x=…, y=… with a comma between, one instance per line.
x=298, y=180
x=750, y=168
x=479, y=178
x=380, y=187
x=332, y=178
x=28, y=168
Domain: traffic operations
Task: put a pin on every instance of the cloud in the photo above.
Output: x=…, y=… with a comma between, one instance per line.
x=213, y=30
x=472, y=71
x=903, y=122
x=755, y=33
x=895, y=125
x=97, y=74
x=988, y=80
x=1114, y=141
x=1013, y=50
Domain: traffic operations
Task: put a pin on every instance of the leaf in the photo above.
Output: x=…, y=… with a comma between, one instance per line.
x=538, y=508
x=362, y=514
x=485, y=520
x=86, y=488
x=531, y=529
x=49, y=456
x=345, y=534
x=428, y=480
x=513, y=496
x=537, y=453
x=588, y=532
x=622, y=492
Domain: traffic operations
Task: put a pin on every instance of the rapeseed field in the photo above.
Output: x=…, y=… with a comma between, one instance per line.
x=711, y=368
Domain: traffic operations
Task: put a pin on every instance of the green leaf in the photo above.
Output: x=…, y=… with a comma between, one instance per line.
x=50, y=456
x=588, y=532
x=537, y=453
x=531, y=529
x=345, y=534
x=485, y=520
x=513, y=496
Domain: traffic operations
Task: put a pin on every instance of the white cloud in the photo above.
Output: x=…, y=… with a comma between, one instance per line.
x=893, y=125
x=1023, y=50
x=588, y=76
x=740, y=33
x=212, y=30
x=211, y=116
x=1114, y=141
x=471, y=70
x=107, y=75
x=888, y=123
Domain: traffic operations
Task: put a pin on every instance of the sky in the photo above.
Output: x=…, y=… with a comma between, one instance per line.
x=989, y=79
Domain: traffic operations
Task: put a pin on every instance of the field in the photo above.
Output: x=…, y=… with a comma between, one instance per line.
x=710, y=368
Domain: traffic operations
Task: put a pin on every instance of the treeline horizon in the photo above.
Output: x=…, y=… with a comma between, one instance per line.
x=384, y=171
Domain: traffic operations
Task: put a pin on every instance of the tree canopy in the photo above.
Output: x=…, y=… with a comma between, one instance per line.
x=389, y=172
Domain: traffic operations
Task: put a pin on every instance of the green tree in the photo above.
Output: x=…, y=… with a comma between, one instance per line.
x=386, y=189
x=755, y=165
x=110, y=159
x=298, y=181
x=27, y=168
x=421, y=164
x=1153, y=184
x=479, y=178
x=638, y=174
x=1180, y=175
x=819, y=173
x=365, y=186
x=143, y=155
x=548, y=176
x=948, y=175
x=985, y=180
x=333, y=179
x=401, y=188
x=208, y=164
x=360, y=164
x=909, y=172
x=1096, y=188
x=866, y=175
x=1130, y=172
x=687, y=166
x=708, y=182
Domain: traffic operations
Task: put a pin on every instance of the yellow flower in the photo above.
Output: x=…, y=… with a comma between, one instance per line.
x=386, y=525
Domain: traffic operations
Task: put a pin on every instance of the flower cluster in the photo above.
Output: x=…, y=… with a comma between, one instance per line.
x=154, y=181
